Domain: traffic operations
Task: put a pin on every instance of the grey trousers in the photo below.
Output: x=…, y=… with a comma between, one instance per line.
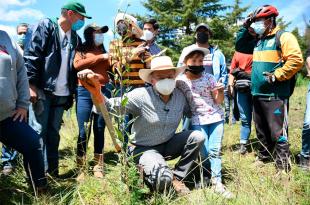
x=157, y=174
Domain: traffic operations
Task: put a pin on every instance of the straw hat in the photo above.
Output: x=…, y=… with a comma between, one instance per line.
x=159, y=63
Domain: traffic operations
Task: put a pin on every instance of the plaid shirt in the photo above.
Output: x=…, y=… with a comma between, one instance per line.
x=156, y=122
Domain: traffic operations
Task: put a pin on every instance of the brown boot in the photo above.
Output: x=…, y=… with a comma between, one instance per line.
x=179, y=186
x=98, y=168
x=81, y=165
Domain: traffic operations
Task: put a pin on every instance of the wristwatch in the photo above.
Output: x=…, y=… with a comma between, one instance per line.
x=273, y=78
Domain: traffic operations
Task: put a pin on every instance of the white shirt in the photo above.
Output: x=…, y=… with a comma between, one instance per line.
x=61, y=87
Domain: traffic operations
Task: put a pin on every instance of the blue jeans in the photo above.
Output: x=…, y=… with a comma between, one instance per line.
x=245, y=105
x=48, y=126
x=211, y=150
x=25, y=140
x=229, y=105
x=305, y=149
x=84, y=106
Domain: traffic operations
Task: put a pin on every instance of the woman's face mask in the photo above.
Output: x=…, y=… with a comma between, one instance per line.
x=98, y=39
x=195, y=69
x=165, y=86
x=122, y=28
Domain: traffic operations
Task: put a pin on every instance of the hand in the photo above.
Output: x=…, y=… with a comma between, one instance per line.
x=105, y=56
x=33, y=94
x=90, y=81
x=219, y=87
x=138, y=50
x=269, y=77
x=19, y=113
x=231, y=90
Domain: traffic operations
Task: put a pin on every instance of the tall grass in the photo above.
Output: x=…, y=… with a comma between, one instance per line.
x=251, y=184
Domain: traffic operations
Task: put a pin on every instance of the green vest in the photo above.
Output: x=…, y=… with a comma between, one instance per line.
x=267, y=58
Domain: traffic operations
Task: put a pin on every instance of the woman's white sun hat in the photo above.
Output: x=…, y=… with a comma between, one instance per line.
x=192, y=48
x=159, y=63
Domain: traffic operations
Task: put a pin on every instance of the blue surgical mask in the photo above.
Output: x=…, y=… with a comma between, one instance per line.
x=98, y=40
x=259, y=27
x=21, y=39
x=77, y=25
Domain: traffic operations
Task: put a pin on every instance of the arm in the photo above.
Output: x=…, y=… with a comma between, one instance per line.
x=22, y=88
x=217, y=91
x=223, y=69
x=34, y=54
x=291, y=55
x=81, y=63
x=308, y=65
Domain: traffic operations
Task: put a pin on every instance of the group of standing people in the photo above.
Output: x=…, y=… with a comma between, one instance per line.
x=159, y=95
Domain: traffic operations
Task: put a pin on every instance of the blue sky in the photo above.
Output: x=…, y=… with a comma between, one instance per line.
x=103, y=12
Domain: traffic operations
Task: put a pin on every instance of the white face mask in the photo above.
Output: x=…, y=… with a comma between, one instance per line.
x=98, y=40
x=165, y=86
x=147, y=35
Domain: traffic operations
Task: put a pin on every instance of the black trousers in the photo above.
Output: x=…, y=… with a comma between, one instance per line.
x=271, y=123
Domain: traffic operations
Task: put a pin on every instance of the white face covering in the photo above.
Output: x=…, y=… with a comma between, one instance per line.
x=165, y=86
x=147, y=35
x=98, y=40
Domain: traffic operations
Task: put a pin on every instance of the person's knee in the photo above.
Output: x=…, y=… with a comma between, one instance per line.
x=163, y=179
x=198, y=137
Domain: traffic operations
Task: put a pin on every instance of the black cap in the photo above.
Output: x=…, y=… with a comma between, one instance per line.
x=95, y=27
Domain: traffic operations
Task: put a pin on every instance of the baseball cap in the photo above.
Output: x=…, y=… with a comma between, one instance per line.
x=77, y=7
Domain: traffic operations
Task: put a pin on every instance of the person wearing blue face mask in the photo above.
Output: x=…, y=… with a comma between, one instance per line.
x=276, y=59
x=49, y=62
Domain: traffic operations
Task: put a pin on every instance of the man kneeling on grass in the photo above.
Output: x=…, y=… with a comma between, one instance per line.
x=158, y=110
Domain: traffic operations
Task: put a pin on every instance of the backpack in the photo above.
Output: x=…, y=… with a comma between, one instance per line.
x=293, y=79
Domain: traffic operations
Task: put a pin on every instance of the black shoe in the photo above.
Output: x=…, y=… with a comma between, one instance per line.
x=242, y=150
x=304, y=163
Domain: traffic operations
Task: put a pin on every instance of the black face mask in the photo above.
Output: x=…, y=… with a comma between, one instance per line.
x=202, y=37
x=122, y=29
x=195, y=69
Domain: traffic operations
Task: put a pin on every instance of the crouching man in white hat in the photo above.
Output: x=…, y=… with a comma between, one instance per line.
x=158, y=110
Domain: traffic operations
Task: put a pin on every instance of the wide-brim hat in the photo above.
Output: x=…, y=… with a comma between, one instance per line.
x=157, y=64
x=95, y=27
x=191, y=49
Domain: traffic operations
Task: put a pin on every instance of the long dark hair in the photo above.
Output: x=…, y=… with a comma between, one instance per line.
x=89, y=44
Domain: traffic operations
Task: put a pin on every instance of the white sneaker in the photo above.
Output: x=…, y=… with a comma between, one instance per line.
x=219, y=188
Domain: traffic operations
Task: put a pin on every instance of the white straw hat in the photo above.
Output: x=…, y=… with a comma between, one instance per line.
x=159, y=63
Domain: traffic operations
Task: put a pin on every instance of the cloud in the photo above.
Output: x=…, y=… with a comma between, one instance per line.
x=11, y=30
x=6, y=3
x=14, y=15
x=17, y=15
x=294, y=9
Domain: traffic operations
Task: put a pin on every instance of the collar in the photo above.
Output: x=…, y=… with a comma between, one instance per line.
x=274, y=31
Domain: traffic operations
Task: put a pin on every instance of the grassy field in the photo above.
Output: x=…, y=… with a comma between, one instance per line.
x=250, y=184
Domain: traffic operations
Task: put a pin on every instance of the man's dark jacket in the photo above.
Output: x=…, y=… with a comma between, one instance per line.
x=43, y=56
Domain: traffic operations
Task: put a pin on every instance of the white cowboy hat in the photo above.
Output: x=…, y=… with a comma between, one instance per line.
x=159, y=63
x=193, y=48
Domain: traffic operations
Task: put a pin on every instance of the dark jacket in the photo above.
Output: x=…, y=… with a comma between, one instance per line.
x=245, y=42
x=43, y=56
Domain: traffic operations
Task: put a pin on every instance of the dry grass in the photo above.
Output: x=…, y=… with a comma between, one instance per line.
x=251, y=185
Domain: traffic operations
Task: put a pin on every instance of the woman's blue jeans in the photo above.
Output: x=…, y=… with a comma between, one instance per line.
x=211, y=151
x=245, y=106
x=84, y=105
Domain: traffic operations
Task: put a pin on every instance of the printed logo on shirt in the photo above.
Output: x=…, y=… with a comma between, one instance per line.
x=3, y=50
x=270, y=43
x=207, y=61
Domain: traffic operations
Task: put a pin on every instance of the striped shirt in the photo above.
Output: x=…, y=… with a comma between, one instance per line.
x=121, y=51
x=155, y=121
